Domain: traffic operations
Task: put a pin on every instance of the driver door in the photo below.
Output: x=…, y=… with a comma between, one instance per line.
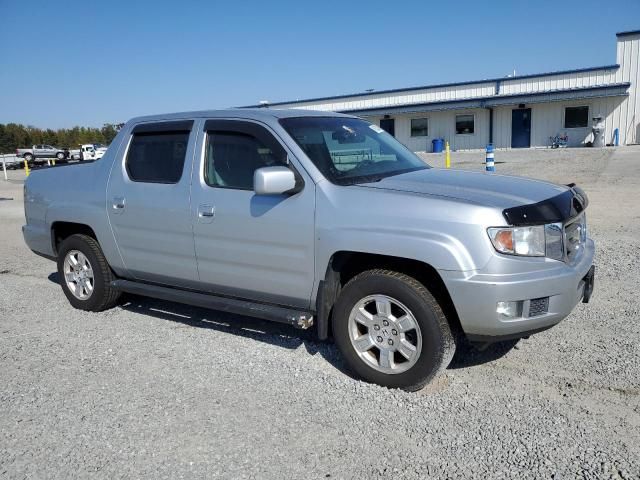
x=257, y=247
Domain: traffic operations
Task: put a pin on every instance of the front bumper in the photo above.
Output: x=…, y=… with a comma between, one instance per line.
x=476, y=294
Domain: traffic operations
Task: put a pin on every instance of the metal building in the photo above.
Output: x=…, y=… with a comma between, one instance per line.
x=510, y=112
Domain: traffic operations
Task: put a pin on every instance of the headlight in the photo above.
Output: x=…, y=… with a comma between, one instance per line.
x=527, y=241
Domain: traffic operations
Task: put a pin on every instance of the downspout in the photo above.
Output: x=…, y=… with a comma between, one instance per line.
x=497, y=92
x=490, y=124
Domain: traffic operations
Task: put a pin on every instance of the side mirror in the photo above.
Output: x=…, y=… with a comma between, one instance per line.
x=273, y=180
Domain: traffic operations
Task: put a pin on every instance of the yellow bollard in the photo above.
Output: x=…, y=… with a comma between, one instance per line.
x=447, y=156
x=26, y=168
x=53, y=162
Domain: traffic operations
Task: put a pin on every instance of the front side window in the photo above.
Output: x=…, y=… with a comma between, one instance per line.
x=576, y=117
x=351, y=150
x=156, y=157
x=419, y=127
x=465, y=124
x=233, y=156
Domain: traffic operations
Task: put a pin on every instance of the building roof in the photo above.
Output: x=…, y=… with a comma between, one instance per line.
x=580, y=93
x=442, y=85
x=627, y=33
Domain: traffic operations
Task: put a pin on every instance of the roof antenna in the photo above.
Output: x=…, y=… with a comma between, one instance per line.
x=369, y=90
x=264, y=103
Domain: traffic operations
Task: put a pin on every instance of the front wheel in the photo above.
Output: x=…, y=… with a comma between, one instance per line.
x=85, y=275
x=60, y=156
x=391, y=330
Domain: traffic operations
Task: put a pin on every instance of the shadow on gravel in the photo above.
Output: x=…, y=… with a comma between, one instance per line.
x=281, y=335
x=469, y=356
x=273, y=333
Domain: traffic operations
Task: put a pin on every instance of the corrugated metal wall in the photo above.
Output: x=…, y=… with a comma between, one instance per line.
x=627, y=115
x=546, y=83
x=547, y=120
x=442, y=125
x=401, y=98
x=508, y=86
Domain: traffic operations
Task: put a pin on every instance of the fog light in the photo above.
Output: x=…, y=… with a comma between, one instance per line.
x=509, y=309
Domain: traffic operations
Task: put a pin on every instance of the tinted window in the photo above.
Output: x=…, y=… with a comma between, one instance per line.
x=576, y=117
x=419, y=127
x=232, y=157
x=350, y=150
x=464, y=124
x=157, y=157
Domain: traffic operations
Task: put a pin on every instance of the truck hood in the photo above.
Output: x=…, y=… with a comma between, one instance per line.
x=488, y=189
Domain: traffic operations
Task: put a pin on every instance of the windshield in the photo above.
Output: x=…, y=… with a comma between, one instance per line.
x=350, y=150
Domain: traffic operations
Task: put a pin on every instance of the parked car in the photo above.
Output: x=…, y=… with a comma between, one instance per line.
x=315, y=218
x=42, y=152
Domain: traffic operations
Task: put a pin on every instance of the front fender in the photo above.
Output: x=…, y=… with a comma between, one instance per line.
x=444, y=233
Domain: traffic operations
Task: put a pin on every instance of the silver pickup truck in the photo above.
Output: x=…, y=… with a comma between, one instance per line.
x=41, y=152
x=320, y=219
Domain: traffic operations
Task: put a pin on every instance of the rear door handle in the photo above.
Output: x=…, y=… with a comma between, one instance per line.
x=118, y=204
x=206, y=213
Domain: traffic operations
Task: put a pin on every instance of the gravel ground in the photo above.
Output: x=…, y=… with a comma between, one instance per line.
x=159, y=390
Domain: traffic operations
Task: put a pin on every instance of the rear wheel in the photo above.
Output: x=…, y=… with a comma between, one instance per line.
x=85, y=275
x=391, y=330
x=28, y=157
x=60, y=156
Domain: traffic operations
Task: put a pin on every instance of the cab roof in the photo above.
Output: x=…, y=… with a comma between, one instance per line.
x=263, y=114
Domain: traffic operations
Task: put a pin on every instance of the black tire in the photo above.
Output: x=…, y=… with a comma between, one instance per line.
x=60, y=156
x=103, y=296
x=438, y=345
x=28, y=157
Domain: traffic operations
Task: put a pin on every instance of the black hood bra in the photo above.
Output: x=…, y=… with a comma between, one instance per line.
x=552, y=210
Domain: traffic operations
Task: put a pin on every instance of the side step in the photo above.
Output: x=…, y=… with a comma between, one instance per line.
x=298, y=318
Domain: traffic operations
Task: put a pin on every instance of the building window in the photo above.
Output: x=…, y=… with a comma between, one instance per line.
x=419, y=127
x=465, y=124
x=576, y=117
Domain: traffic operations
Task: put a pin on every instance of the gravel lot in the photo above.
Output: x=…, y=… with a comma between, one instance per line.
x=159, y=390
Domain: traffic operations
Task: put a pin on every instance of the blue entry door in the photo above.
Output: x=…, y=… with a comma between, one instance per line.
x=521, y=128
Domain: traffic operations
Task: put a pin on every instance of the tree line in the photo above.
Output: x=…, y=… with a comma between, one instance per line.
x=14, y=135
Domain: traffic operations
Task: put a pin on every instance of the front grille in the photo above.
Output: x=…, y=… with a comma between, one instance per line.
x=575, y=236
x=538, y=306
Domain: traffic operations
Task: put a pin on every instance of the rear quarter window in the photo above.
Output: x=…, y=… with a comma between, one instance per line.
x=157, y=157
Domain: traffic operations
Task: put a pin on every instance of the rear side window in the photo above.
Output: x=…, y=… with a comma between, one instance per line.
x=157, y=155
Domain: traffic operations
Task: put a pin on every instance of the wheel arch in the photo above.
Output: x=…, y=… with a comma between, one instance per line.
x=344, y=265
x=61, y=230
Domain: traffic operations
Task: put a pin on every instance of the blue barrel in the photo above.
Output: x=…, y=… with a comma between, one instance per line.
x=438, y=145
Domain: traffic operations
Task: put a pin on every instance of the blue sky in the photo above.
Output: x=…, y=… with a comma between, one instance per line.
x=65, y=63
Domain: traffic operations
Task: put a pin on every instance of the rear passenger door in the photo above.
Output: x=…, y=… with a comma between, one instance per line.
x=149, y=205
x=258, y=247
